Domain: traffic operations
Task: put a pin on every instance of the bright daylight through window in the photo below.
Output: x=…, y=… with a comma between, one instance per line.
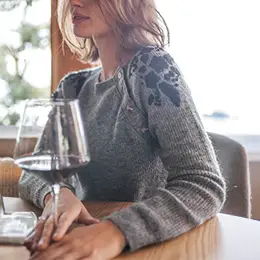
x=25, y=61
x=216, y=45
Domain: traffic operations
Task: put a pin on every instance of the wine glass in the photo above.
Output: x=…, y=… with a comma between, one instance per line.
x=51, y=142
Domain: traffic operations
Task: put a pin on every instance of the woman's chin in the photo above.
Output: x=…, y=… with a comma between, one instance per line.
x=81, y=34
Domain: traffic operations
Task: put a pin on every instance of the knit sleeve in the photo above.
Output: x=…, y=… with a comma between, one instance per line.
x=35, y=189
x=195, y=189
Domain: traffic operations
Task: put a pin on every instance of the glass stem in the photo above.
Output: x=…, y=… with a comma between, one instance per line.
x=55, y=202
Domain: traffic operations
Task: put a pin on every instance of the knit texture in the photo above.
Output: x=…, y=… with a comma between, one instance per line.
x=147, y=146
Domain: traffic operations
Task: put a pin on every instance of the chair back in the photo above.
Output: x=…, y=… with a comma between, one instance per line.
x=234, y=165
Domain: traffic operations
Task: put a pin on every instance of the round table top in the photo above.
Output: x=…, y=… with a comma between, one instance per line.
x=224, y=237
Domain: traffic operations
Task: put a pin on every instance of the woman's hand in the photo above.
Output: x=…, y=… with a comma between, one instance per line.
x=70, y=209
x=101, y=241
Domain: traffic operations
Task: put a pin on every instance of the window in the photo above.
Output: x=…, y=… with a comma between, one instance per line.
x=216, y=45
x=25, y=59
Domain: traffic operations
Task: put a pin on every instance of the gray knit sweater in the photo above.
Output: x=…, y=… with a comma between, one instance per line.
x=147, y=146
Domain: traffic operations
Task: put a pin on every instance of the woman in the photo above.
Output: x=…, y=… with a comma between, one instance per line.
x=146, y=139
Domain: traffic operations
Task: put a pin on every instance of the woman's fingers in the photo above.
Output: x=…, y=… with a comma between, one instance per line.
x=47, y=232
x=38, y=232
x=28, y=243
x=86, y=218
x=89, y=221
x=45, y=228
x=65, y=221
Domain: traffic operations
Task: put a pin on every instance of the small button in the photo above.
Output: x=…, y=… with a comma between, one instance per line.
x=119, y=75
x=129, y=108
x=144, y=130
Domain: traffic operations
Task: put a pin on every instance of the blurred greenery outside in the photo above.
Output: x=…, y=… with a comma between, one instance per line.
x=31, y=37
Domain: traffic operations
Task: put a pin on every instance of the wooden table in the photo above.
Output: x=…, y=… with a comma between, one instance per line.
x=222, y=238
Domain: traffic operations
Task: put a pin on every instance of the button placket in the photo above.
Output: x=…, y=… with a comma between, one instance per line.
x=131, y=111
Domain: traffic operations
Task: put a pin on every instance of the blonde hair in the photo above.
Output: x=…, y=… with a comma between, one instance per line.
x=137, y=23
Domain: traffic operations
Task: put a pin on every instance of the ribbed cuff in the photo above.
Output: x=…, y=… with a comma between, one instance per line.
x=129, y=224
x=46, y=189
x=41, y=194
x=67, y=185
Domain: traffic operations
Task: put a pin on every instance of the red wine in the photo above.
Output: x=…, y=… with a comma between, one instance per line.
x=49, y=169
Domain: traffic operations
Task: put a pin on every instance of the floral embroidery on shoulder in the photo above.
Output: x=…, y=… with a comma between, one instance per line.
x=159, y=73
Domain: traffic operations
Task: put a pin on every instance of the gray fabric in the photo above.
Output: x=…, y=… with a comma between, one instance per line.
x=147, y=145
x=234, y=166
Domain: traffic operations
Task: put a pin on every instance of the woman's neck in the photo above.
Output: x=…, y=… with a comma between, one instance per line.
x=110, y=56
